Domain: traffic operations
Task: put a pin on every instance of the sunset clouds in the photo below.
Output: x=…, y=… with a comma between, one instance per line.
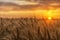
x=27, y=8
x=19, y=2
x=34, y=2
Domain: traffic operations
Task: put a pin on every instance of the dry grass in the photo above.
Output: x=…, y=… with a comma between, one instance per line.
x=29, y=29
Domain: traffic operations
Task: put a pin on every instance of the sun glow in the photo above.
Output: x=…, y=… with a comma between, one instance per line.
x=49, y=18
x=50, y=14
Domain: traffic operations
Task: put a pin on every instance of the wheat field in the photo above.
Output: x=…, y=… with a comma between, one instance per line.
x=29, y=29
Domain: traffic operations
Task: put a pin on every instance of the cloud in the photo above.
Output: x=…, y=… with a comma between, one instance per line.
x=19, y=2
x=32, y=2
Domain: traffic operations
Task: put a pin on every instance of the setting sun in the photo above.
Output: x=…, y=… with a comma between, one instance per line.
x=49, y=18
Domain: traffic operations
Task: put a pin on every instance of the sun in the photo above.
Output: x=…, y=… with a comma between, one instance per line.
x=49, y=18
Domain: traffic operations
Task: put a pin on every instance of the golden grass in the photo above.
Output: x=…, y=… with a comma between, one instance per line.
x=29, y=29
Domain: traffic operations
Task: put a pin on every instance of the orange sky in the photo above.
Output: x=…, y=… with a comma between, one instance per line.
x=52, y=11
x=30, y=13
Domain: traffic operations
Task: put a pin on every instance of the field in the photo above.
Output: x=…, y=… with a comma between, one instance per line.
x=29, y=29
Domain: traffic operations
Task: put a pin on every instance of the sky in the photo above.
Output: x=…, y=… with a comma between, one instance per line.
x=35, y=2
x=53, y=11
x=19, y=2
x=32, y=1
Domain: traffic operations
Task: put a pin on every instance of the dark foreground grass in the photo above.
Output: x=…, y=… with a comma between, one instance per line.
x=29, y=29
